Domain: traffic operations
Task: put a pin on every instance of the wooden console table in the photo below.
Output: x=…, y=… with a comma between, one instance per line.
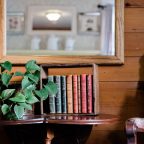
x=62, y=119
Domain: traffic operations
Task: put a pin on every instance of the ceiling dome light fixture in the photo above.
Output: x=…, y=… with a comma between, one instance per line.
x=53, y=16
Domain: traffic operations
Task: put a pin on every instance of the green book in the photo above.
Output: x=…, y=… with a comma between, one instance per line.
x=51, y=97
x=58, y=104
x=63, y=94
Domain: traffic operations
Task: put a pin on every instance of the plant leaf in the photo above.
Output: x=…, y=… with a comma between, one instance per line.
x=7, y=93
x=26, y=106
x=31, y=66
x=30, y=98
x=33, y=77
x=19, y=111
x=31, y=87
x=11, y=116
x=6, y=78
x=42, y=93
x=7, y=65
x=18, y=74
x=5, y=109
x=25, y=82
x=18, y=98
x=51, y=87
x=28, y=93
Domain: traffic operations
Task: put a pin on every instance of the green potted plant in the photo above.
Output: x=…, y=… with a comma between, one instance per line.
x=14, y=100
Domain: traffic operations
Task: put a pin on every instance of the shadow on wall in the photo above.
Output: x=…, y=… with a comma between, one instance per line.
x=133, y=107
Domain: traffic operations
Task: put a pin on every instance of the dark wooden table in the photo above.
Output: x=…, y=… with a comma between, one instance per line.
x=77, y=120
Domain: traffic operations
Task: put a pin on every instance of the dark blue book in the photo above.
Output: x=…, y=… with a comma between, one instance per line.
x=63, y=94
x=51, y=97
x=58, y=104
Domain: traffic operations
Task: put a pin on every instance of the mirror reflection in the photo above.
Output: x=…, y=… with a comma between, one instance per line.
x=48, y=19
x=68, y=27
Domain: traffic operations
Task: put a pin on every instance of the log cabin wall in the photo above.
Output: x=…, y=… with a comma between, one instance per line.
x=121, y=87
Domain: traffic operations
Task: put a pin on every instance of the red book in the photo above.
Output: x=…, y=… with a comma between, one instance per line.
x=79, y=95
x=89, y=93
x=83, y=94
x=75, y=93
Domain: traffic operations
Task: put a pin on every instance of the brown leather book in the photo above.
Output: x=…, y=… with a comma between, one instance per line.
x=69, y=94
x=75, y=93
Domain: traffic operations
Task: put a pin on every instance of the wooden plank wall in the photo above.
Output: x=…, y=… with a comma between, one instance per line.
x=122, y=87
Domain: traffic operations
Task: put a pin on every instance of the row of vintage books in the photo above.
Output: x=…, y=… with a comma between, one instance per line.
x=74, y=96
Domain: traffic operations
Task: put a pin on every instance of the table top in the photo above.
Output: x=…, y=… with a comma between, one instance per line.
x=78, y=119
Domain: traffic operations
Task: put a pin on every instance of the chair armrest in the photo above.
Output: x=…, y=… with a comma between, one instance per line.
x=134, y=125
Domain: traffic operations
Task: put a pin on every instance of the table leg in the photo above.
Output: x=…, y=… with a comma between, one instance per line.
x=68, y=134
x=50, y=136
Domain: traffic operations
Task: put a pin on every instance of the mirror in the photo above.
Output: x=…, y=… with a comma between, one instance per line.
x=62, y=32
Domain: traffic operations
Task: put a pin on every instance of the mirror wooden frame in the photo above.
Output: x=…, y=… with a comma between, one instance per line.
x=119, y=44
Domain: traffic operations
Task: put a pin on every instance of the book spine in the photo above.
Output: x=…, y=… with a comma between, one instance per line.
x=79, y=95
x=83, y=93
x=69, y=94
x=75, y=93
x=58, y=95
x=51, y=97
x=63, y=94
x=89, y=93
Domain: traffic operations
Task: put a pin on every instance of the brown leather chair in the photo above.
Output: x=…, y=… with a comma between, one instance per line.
x=133, y=126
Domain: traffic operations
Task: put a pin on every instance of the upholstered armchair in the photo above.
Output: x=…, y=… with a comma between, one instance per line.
x=133, y=126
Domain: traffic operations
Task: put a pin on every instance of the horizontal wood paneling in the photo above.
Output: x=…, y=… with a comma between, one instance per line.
x=134, y=19
x=111, y=137
x=67, y=71
x=124, y=99
x=107, y=137
x=134, y=44
x=20, y=69
x=119, y=94
x=134, y=3
x=119, y=125
x=121, y=87
x=132, y=70
x=124, y=112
